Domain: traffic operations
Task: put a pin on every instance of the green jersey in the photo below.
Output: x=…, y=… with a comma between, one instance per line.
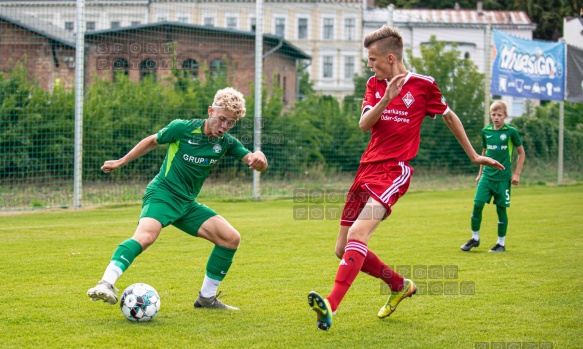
x=190, y=157
x=499, y=145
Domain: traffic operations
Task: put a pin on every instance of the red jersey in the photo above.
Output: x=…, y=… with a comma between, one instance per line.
x=396, y=135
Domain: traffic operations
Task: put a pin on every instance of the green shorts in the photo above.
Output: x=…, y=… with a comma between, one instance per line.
x=186, y=215
x=499, y=190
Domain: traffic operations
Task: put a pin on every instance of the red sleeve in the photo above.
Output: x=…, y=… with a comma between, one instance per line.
x=436, y=103
x=369, y=99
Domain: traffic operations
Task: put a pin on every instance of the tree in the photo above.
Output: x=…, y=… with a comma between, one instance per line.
x=463, y=87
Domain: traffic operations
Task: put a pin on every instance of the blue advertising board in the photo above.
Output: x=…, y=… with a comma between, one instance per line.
x=528, y=68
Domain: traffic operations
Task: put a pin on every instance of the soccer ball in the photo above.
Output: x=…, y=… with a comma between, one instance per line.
x=140, y=302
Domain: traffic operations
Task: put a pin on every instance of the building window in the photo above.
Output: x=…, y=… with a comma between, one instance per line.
x=280, y=26
x=183, y=19
x=120, y=67
x=69, y=26
x=90, y=26
x=115, y=25
x=209, y=21
x=348, y=67
x=302, y=28
x=350, y=28
x=327, y=66
x=467, y=55
x=148, y=69
x=284, y=90
x=328, y=33
x=253, y=23
x=190, y=67
x=136, y=23
x=232, y=22
x=218, y=67
x=162, y=17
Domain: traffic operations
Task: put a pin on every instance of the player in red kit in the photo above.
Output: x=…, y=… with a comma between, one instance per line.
x=395, y=103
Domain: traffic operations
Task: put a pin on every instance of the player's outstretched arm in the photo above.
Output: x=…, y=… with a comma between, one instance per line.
x=142, y=148
x=456, y=127
x=256, y=161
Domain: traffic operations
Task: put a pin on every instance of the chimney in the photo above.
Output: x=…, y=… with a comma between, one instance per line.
x=456, y=6
x=480, y=8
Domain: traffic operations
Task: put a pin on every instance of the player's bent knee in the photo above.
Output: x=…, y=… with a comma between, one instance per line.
x=233, y=240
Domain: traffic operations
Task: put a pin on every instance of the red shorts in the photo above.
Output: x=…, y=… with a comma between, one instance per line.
x=384, y=182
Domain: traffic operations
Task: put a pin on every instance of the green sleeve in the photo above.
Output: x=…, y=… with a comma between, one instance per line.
x=516, y=139
x=171, y=133
x=236, y=148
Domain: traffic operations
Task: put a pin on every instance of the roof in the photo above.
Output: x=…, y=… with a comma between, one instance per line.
x=38, y=26
x=451, y=17
x=68, y=38
x=275, y=40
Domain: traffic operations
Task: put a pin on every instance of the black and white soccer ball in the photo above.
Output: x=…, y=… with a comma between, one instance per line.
x=140, y=302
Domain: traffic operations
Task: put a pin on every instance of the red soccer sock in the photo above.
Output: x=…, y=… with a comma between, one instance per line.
x=375, y=267
x=348, y=269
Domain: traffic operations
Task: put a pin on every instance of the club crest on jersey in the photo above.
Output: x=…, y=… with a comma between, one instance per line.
x=217, y=148
x=503, y=137
x=408, y=99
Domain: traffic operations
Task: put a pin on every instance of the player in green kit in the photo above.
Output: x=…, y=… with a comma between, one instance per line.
x=194, y=148
x=498, y=141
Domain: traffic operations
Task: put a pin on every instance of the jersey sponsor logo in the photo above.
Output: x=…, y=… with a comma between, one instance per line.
x=377, y=95
x=488, y=136
x=217, y=148
x=394, y=118
x=408, y=99
x=198, y=160
x=497, y=147
x=193, y=142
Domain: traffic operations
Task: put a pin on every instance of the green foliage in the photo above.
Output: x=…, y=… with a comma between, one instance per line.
x=36, y=128
x=463, y=87
x=540, y=135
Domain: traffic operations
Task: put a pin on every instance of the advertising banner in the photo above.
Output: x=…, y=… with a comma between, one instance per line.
x=528, y=68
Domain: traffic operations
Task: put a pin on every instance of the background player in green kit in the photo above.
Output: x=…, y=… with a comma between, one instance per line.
x=498, y=142
x=194, y=148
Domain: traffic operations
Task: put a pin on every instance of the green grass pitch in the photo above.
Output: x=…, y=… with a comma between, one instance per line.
x=532, y=294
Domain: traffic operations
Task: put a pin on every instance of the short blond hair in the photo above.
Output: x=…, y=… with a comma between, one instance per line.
x=389, y=40
x=499, y=105
x=231, y=100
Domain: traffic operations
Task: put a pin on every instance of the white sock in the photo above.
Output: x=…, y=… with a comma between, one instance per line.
x=209, y=287
x=112, y=273
x=476, y=235
x=501, y=240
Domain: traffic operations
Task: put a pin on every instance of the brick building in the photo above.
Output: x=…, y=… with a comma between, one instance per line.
x=146, y=50
x=46, y=51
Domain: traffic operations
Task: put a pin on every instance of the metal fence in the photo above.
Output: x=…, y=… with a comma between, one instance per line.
x=83, y=82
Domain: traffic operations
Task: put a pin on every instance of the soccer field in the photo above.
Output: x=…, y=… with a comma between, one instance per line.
x=530, y=295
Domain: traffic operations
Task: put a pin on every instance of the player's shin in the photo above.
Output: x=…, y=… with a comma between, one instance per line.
x=122, y=258
x=218, y=265
x=348, y=269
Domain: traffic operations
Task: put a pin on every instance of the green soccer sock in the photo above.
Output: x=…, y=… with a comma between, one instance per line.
x=125, y=253
x=219, y=262
x=477, y=215
x=502, y=221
